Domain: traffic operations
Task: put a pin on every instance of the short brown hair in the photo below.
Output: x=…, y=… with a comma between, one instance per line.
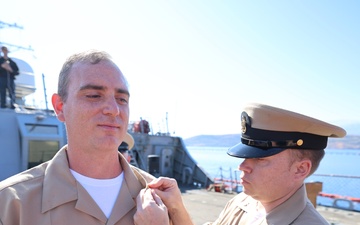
x=91, y=56
x=315, y=156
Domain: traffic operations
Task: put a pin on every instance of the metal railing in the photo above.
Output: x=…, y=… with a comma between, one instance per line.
x=339, y=191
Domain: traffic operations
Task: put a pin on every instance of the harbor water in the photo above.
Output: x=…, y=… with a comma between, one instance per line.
x=339, y=172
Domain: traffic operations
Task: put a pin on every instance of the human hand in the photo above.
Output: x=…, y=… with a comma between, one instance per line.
x=150, y=209
x=167, y=189
x=7, y=67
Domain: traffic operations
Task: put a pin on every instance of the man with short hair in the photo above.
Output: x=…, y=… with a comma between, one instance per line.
x=88, y=181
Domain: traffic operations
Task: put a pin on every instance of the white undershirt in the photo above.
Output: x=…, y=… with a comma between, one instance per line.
x=103, y=191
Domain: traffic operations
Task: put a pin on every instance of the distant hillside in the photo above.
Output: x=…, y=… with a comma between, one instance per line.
x=228, y=140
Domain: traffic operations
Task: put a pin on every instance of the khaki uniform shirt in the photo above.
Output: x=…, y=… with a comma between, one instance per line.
x=297, y=210
x=49, y=194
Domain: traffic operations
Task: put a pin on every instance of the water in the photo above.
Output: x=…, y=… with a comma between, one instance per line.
x=345, y=162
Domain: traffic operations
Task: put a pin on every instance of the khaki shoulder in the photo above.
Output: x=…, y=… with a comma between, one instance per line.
x=142, y=175
x=31, y=175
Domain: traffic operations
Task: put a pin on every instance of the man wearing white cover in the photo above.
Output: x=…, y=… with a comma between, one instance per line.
x=281, y=149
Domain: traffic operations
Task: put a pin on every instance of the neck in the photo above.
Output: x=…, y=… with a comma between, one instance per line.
x=270, y=205
x=98, y=165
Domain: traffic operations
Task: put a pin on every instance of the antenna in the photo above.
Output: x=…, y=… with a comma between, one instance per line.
x=46, y=103
x=17, y=46
x=3, y=24
x=13, y=25
x=167, y=124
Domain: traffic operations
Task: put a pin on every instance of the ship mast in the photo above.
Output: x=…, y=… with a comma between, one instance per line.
x=13, y=25
x=18, y=47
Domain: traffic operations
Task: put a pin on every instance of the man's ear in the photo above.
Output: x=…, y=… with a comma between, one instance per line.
x=303, y=168
x=58, y=104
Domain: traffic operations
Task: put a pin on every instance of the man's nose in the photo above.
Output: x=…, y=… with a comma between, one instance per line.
x=111, y=107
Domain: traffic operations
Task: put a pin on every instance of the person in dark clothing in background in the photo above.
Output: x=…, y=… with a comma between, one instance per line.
x=8, y=71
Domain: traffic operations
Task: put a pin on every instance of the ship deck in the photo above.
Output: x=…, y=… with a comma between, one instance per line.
x=205, y=206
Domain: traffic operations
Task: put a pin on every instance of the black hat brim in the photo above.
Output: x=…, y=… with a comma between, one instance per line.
x=245, y=151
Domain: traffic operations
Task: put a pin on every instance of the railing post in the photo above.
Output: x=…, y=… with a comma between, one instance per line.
x=312, y=190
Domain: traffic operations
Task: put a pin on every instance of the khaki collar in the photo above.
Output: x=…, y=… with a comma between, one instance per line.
x=60, y=187
x=285, y=213
x=292, y=208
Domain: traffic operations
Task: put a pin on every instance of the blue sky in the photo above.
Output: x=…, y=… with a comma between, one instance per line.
x=201, y=61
